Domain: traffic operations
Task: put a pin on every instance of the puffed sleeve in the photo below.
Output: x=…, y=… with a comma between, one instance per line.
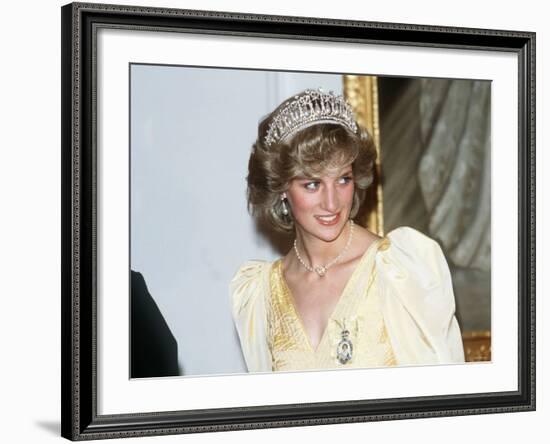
x=418, y=300
x=248, y=290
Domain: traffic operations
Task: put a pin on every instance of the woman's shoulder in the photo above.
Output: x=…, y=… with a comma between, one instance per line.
x=419, y=304
x=248, y=290
x=410, y=242
x=404, y=237
x=251, y=269
x=406, y=252
x=249, y=283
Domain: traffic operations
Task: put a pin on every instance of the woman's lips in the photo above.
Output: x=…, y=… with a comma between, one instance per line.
x=333, y=219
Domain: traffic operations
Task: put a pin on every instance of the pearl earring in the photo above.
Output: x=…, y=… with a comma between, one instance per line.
x=285, y=208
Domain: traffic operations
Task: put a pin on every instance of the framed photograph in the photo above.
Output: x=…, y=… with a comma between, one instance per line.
x=273, y=221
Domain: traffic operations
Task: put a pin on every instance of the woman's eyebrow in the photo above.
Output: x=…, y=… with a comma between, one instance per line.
x=307, y=178
x=344, y=172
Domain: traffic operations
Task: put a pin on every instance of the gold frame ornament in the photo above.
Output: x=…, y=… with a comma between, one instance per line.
x=361, y=92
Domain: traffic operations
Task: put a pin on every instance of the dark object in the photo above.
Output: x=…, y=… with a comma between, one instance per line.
x=154, y=350
x=80, y=419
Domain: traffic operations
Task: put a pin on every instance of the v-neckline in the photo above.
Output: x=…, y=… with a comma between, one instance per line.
x=290, y=297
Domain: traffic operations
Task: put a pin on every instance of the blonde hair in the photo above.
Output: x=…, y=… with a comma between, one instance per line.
x=310, y=152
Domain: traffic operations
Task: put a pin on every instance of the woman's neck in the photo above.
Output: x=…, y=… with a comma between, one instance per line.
x=316, y=251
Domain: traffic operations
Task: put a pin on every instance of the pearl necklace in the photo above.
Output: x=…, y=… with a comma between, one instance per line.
x=321, y=270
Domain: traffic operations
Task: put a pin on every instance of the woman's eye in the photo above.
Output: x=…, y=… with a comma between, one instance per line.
x=311, y=185
x=346, y=179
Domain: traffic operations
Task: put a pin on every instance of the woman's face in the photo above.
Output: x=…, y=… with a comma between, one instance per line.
x=321, y=206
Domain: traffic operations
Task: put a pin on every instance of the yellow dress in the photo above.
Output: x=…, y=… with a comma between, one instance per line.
x=397, y=308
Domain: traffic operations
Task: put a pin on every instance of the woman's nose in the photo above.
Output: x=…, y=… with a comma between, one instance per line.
x=330, y=199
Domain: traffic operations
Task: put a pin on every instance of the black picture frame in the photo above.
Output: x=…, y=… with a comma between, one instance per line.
x=80, y=419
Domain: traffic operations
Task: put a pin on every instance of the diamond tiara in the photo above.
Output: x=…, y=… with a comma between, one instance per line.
x=307, y=109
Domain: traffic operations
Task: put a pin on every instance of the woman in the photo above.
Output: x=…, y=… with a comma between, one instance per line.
x=342, y=297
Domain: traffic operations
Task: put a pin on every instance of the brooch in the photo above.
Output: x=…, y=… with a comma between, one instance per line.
x=344, y=349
